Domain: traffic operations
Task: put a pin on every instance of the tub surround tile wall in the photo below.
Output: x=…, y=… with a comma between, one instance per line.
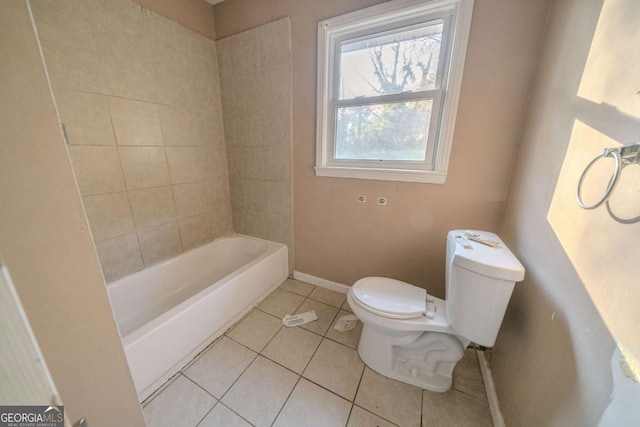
x=139, y=97
x=255, y=79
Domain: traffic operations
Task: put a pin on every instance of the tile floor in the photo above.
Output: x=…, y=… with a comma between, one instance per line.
x=263, y=374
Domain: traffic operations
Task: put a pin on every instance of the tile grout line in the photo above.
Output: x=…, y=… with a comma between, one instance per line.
x=287, y=399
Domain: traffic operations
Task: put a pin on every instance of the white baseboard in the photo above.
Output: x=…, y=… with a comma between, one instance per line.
x=490, y=387
x=323, y=283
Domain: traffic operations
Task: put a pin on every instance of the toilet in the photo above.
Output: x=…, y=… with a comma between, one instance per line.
x=417, y=338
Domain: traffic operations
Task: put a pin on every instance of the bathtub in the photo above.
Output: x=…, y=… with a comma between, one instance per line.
x=171, y=311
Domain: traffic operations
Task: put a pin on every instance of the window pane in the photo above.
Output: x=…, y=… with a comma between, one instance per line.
x=392, y=131
x=392, y=63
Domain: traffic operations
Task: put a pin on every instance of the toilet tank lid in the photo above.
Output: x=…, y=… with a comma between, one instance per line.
x=497, y=262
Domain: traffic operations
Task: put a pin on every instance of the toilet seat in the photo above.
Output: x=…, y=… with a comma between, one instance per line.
x=390, y=298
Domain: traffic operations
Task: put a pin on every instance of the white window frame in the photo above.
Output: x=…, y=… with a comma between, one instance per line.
x=397, y=14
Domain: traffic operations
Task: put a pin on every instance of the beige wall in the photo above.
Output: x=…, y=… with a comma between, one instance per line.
x=45, y=242
x=554, y=357
x=255, y=80
x=139, y=96
x=194, y=14
x=337, y=238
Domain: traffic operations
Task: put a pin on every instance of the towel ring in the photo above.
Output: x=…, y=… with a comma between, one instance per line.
x=612, y=182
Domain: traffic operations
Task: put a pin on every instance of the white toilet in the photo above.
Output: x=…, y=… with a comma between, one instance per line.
x=416, y=338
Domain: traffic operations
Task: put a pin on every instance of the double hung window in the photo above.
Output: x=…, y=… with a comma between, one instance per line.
x=388, y=83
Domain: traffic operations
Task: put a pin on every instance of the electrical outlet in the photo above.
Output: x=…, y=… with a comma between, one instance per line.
x=382, y=201
x=362, y=199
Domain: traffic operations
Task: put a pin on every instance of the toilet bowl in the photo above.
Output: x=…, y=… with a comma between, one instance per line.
x=417, y=338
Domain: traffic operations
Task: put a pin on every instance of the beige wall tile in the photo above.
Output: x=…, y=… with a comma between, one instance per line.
x=244, y=52
x=257, y=124
x=274, y=44
x=168, y=48
x=247, y=93
x=276, y=86
x=235, y=193
x=217, y=193
x=97, y=169
x=85, y=117
x=279, y=228
x=109, y=215
x=190, y=198
x=277, y=163
x=278, y=197
x=252, y=163
x=71, y=15
x=186, y=164
x=216, y=162
x=230, y=133
x=179, y=126
x=253, y=194
x=249, y=134
x=144, y=167
x=115, y=15
x=221, y=221
x=152, y=206
x=119, y=256
x=202, y=55
x=115, y=47
x=234, y=161
x=223, y=51
x=123, y=49
x=160, y=243
x=135, y=122
x=210, y=128
x=203, y=73
x=256, y=223
x=276, y=127
x=195, y=231
x=228, y=96
x=72, y=61
x=193, y=14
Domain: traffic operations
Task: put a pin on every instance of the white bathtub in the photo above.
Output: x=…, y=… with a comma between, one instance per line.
x=171, y=311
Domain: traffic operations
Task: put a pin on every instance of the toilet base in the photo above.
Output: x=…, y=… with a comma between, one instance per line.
x=422, y=359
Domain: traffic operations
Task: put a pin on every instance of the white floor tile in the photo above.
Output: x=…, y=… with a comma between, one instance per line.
x=182, y=403
x=280, y=303
x=221, y=416
x=313, y=406
x=346, y=306
x=392, y=400
x=467, y=376
x=222, y=364
x=336, y=367
x=327, y=296
x=297, y=287
x=325, y=314
x=454, y=408
x=292, y=348
x=264, y=390
x=361, y=418
x=255, y=330
x=261, y=391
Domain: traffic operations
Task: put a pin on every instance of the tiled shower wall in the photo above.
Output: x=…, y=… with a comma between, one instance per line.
x=255, y=80
x=139, y=96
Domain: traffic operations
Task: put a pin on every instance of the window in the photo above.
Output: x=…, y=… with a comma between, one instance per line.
x=388, y=83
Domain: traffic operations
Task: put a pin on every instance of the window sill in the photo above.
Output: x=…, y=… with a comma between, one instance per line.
x=404, y=175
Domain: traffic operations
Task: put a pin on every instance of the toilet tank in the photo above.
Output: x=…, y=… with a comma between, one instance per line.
x=479, y=283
